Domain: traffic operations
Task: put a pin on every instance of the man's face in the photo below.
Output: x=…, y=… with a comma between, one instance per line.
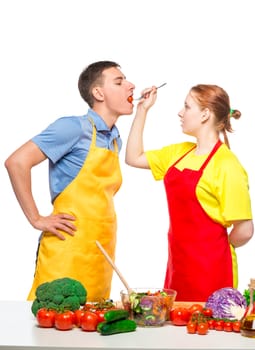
x=115, y=91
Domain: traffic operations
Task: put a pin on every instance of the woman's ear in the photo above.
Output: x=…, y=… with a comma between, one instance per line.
x=97, y=93
x=205, y=115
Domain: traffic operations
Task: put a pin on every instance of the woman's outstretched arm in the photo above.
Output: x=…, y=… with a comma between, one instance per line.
x=135, y=155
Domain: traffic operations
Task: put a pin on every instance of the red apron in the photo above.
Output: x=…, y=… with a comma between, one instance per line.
x=199, y=255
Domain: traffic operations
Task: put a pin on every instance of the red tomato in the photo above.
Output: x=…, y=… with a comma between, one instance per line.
x=179, y=316
x=78, y=314
x=195, y=307
x=130, y=99
x=88, y=307
x=73, y=315
x=89, y=321
x=236, y=325
x=100, y=315
x=228, y=326
x=64, y=320
x=46, y=318
x=191, y=327
x=202, y=328
x=207, y=312
x=219, y=325
x=211, y=323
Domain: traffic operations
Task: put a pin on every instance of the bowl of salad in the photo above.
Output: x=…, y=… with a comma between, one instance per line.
x=148, y=307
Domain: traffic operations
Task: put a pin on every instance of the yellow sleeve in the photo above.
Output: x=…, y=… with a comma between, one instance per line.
x=233, y=190
x=223, y=189
x=160, y=160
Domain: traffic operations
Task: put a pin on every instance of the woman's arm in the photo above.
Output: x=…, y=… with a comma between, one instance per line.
x=135, y=155
x=241, y=233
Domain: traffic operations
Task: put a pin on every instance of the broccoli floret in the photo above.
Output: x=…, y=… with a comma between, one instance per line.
x=79, y=291
x=36, y=306
x=60, y=294
x=71, y=302
x=41, y=292
x=57, y=299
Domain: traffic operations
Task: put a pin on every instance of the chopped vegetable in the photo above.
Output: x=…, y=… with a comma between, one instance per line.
x=60, y=295
x=150, y=309
x=227, y=303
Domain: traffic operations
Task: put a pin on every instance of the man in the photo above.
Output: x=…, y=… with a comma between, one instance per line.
x=84, y=175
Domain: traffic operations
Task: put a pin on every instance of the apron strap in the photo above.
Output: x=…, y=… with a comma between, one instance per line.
x=215, y=148
x=217, y=145
x=93, y=139
x=179, y=159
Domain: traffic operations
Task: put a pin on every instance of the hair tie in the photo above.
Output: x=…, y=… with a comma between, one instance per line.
x=231, y=111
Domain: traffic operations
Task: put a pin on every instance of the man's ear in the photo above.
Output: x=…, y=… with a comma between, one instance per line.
x=97, y=93
x=205, y=115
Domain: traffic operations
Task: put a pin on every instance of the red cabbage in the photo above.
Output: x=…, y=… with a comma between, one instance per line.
x=227, y=303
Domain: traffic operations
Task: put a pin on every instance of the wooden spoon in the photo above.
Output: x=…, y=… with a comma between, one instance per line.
x=114, y=267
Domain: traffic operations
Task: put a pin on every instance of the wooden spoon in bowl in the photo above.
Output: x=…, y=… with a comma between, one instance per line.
x=129, y=290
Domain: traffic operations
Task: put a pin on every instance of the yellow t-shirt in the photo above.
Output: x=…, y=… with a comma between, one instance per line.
x=223, y=189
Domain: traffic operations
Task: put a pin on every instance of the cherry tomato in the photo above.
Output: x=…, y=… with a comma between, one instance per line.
x=88, y=307
x=46, y=318
x=236, y=325
x=89, y=321
x=211, y=323
x=228, y=326
x=195, y=307
x=202, y=328
x=100, y=315
x=64, y=320
x=219, y=325
x=78, y=313
x=207, y=312
x=191, y=327
x=130, y=99
x=179, y=316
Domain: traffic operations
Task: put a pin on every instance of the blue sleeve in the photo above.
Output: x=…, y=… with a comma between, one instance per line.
x=60, y=137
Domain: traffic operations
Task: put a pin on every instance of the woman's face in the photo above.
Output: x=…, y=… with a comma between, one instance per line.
x=191, y=116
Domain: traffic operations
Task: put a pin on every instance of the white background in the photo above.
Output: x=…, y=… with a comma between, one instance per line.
x=44, y=47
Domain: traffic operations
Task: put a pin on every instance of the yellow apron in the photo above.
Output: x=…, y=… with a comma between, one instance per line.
x=89, y=197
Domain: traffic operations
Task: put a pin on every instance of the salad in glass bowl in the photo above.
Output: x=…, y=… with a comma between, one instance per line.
x=148, y=307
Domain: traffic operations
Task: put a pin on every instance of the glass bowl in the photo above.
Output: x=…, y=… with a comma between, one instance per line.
x=148, y=307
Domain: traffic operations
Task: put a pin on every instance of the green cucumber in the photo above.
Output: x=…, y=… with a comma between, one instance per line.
x=115, y=315
x=100, y=325
x=120, y=326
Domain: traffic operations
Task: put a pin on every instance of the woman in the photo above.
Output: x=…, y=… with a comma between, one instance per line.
x=207, y=192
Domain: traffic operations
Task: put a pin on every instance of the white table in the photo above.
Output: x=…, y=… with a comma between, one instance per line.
x=19, y=330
